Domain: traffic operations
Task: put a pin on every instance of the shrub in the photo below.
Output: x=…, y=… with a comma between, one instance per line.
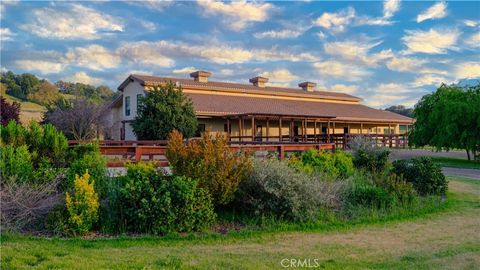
x=337, y=165
x=16, y=162
x=276, y=189
x=13, y=134
x=9, y=112
x=158, y=204
x=209, y=160
x=396, y=185
x=82, y=205
x=426, y=176
x=367, y=156
x=94, y=162
x=361, y=193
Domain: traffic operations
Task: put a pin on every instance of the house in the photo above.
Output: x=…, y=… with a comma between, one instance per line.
x=257, y=112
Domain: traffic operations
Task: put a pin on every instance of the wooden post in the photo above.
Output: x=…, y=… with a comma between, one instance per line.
x=361, y=128
x=315, y=130
x=268, y=127
x=281, y=152
x=280, y=129
x=290, y=130
x=228, y=129
x=240, y=129
x=138, y=153
x=253, y=128
x=328, y=131
x=303, y=130
x=390, y=135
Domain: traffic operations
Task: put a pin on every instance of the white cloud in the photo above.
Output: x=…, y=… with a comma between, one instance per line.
x=358, y=51
x=76, y=22
x=42, y=66
x=4, y=4
x=150, y=26
x=227, y=72
x=321, y=35
x=387, y=94
x=404, y=64
x=365, y=20
x=470, y=23
x=239, y=14
x=122, y=76
x=336, y=22
x=82, y=77
x=337, y=69
x=185, y=70
x=158, y=5
x=94, y=57
x=280, y=34
x=390, y=7
x=6, y=34
x=474, y=40
x=437, y=11
x=429, y=80
x=468, y=70
x=431, y=41
x=280, y=77
x=162, y=53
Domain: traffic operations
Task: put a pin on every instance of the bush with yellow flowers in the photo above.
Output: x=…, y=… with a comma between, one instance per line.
x=82, y=205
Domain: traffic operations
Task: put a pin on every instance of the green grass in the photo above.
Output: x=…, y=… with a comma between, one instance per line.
x=430, y=239
x=456, y=162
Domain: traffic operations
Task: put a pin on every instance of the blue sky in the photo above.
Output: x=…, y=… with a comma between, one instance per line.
x=388, y=53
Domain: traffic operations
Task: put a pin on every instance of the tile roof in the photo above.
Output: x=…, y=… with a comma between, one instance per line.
x=238, y=87
x=231, y=105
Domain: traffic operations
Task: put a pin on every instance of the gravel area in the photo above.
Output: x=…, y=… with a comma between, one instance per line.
x=412, y=153
x=470, y=173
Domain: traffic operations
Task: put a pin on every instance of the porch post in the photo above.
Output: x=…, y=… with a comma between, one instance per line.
x=280, y=129
x=253, y=128
x=268, y=128
x=361, y=128
x=303, y=130
x=228, y=129
x=290, y=130
x=315, y=130
x=328, y=131
x=240, y=133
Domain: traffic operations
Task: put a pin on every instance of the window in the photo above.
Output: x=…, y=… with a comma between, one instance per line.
x=324, y=130
x=127, y=106
x=345, y=130
x=139, y=100
x=200, y=130
x=225, y=127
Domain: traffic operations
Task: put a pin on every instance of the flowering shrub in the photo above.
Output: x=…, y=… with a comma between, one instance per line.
x=82, y=205
x=209, y=160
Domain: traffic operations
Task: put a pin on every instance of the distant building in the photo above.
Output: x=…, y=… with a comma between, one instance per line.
x=260, y=113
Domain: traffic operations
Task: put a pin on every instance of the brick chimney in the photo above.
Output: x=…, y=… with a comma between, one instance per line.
x=259, y=81
x=200, y=76
x=307, y=86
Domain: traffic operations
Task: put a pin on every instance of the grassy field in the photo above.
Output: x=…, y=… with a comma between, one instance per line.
x=456, y=162
x=445, y=239
x=28, y=110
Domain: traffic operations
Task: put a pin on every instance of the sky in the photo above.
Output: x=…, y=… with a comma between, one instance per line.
x=388, y=53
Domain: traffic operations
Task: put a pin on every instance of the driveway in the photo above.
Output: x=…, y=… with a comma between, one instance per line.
x=470, y=173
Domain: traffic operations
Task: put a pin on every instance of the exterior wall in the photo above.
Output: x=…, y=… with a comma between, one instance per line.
x=131, y=90
x=129, y=135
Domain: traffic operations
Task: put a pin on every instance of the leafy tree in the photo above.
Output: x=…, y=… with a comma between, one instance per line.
x=402, y=110
x=9, y=111
x=449, y=118
x=44, y=93
x=163, y=110
x=79, y=119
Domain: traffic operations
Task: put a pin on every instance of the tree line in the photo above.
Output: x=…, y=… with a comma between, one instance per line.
x=29, y=87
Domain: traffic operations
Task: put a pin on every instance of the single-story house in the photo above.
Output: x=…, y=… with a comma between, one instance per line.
x=258, y=112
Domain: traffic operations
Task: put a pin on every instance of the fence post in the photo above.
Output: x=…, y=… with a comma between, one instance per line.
x=138, y=153
x=281, y=152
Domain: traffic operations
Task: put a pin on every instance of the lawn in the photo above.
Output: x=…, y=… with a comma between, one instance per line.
x=456, y=162
x=447, y=239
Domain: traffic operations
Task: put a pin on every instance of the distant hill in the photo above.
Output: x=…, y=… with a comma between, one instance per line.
x=28, y=110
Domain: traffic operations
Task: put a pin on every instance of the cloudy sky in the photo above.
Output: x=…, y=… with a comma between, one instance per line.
x=388, y=52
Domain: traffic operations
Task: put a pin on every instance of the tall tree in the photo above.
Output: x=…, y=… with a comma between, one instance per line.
x=163, y=110
x=449, y=118
x=43, y=93
x=400, y=109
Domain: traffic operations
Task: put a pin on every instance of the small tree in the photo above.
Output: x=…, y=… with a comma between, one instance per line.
x=80, y=119
x=9, y=111
x=163, y=110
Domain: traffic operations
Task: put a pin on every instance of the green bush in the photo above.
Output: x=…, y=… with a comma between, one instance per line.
x=368, y=156
x=426, y=176
x=337, y=165
x=94, y=162
x=397, y=186
x=46, y=172
x=154, y=203
x=276, y=189
x=16, y=162
x=13, y=134
x=361, y=193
